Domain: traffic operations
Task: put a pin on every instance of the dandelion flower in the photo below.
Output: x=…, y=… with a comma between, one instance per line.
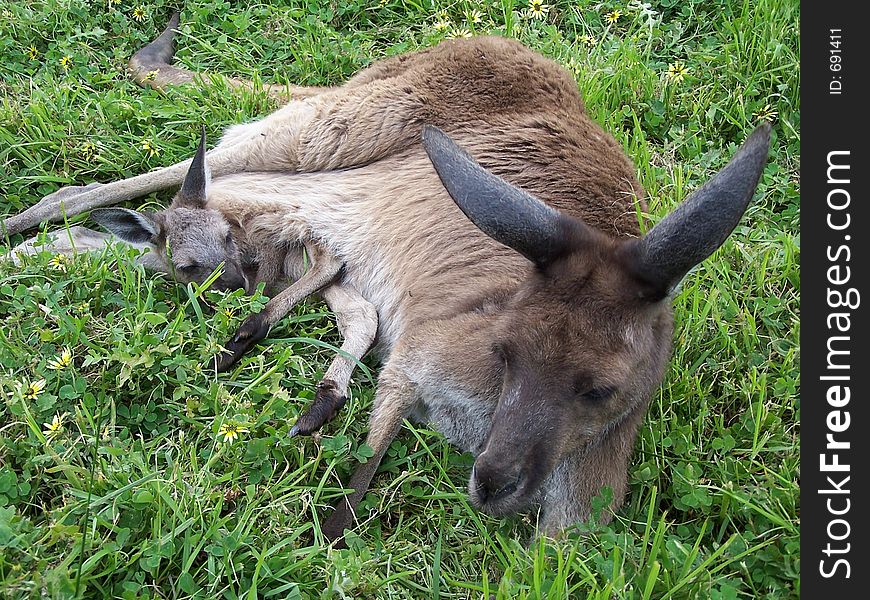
x=151, y=75
x=538, y=10
x=613, y=16
x=34, y=389
x=66, y=62
x=677, y=71
x=59, y=262
x=588, y=40
x=475, y=17
x=139, y=14
x=230, y=431
x=442, y=25
x=766, y=114
x=32, y=52
x=54, y=428
x=459, y=33
x=63, y=361
x=88, y=150
x=149, y=147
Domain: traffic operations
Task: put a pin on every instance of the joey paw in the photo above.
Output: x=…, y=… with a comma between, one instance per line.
x=327, y=402
x=255, y=328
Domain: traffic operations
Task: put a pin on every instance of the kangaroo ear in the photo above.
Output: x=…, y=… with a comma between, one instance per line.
x=702, y=222
x=128, y=225
x=193, y=191
x=502, y=211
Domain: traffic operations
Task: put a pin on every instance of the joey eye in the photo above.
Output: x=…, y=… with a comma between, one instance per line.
x=187, y=268
x=229, y=239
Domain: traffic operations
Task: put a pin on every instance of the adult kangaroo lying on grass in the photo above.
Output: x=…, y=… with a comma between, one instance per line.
x=530, y=330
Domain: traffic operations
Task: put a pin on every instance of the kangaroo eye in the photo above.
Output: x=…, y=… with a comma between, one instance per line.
x=588, y=391
x=229, y=238
x=597, y=395
x=187, y=268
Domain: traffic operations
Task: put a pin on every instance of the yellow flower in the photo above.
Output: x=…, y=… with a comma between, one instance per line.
x=537, y=9
x=766, y=114
x=32, y=52
x=230, y=431
x=459, y=33
x=442, y=25
x=88, y=150
x=677, y=71
x=588, y=40
x=150, y=75
x=61, y=362
x=59, y=262
x=475, y=17
x=139, y=14
x=55, y=428
x=613, y=16
x=66, y=62
x=150, y=148
x=34, y=389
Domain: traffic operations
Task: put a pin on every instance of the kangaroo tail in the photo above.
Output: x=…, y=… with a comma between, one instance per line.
x=152, y=67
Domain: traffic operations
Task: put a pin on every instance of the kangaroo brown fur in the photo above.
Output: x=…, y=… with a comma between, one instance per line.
x=464, y=192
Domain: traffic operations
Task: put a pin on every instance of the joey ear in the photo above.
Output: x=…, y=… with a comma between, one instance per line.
x=193, y=191
x=501, y=210
x=702, y=222
x=129, y=225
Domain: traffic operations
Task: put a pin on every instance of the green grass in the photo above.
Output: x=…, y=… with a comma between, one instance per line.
x=137, y=497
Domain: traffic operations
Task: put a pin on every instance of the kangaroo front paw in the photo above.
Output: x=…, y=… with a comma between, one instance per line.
x=341, y=518
x=255, y=328
x=327, y=402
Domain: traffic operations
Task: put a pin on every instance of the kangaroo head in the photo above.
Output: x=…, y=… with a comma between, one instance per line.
x=584, y=341
x=189, y=240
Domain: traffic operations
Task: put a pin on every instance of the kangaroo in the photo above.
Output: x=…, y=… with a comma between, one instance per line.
x=464, y=192
x=202, y=240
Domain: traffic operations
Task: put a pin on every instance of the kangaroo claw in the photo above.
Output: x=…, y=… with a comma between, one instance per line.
x=254, y=329
x=327, y=402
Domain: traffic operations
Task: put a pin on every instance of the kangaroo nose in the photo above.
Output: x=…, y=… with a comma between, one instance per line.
x=493, y=482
